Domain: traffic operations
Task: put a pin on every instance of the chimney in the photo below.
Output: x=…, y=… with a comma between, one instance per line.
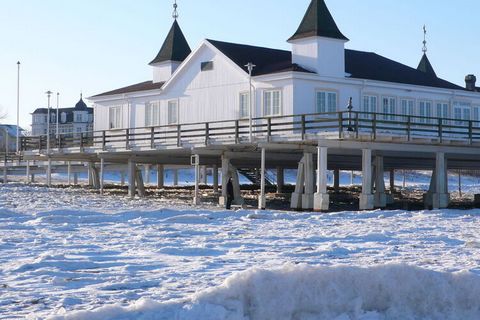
x=470, y=81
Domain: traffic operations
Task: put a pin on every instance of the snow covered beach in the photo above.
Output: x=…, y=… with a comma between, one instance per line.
x=64, y=251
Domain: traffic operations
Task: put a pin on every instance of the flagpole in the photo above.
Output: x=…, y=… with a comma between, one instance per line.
x=58, y=97
x=18, y=106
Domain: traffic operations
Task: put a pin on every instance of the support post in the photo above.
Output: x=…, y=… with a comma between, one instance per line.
x=27, y=173
x=175, y=177
x=460, y=183
x=380, y=197
x=196, y=199
x=441, y=198
x=296, y=199
x=215, y=178
x=307, y=198
x=49, y=172
x=69, y=173
x=280, y=180
x=102, y=174
x=131, y=178
x=322, y=198
x=90, y=175
x=262, y=197
x=225, y=175
x=75, y=178
x=336, y=180
x=5, y=173
x=147, y=174
x=139, y=182
x=160, y=176
x=122, y=178
x=203, y=175
x=392, y=181
x=352, y=176
x=366, y=197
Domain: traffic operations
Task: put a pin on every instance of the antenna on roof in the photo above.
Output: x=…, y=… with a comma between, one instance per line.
x=175, y=12
x=424, y=49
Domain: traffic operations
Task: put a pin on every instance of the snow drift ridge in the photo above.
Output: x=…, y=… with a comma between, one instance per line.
x=306, y=292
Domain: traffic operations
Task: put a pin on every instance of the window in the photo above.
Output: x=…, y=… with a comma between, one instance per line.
x=271, y=103
x=152, y=114
x=244, y=104
x=407, y=107
x=52, y=117
x=425, y=111
x=172, y=112
x=326, y=101
x=63, y=117
x=78, y=117
x=206, y=66
x=369, y=105
x=389, y=108
x=79, y=130
x=476, y=116
x=115, y=117
x=462, y=111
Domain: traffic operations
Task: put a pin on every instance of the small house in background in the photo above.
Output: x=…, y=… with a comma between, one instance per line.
x=70, y=120
x=9, y=130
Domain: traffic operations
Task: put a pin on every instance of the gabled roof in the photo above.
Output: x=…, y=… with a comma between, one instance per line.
x=266, y=60
x=142, y=86
x=318, y=21
x=371, y=66
x=175, y=46
x=426, y=67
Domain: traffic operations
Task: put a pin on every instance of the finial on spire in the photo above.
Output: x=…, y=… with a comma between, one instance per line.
x=175, y=12
x=424, y=49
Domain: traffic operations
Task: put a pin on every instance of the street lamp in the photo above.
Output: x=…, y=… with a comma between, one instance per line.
x=58, y=98
x=250, y=67
x=349, y=108
x=18, y=106
x=49, y=94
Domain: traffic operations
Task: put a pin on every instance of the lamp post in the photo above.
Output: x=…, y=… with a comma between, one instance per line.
x=250, y=67
x=349, y=108
x=49, y=94
x=58, y=98
x=18, y=106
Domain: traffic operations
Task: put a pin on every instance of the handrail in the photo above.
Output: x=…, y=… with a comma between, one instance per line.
x=358, y=122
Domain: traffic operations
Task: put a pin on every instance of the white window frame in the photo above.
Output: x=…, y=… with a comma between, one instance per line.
x=268, y=103
x=115, y=117
x=328, y=105
x=152, y=114
x=390, y=108
x=369, y=104
x=172, y=112
x=407, y=106
x=244, y=105
x=425, y=109
x=462, y=112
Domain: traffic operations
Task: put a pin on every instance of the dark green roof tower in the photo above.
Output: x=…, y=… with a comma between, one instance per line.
x=318, y=22
x=175, y=47
x=426, y=67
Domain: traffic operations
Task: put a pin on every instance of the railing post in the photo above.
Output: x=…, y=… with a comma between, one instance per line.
x=152, y=138
x=374, y=126
x=104, y=140
x=81, y=141
x=179, y=135
x=269, y=129
x=470, y=131
x=237, y=131
x=127, y=139
x=356, y=125
x=207, y=133
x=409, y=127
x=304, y=130
x=340, y=125
x=440, y=130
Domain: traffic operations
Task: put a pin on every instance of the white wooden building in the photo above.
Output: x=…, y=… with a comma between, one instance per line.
x=318, y=75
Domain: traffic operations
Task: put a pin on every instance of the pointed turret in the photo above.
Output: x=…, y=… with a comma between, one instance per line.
x=174, y=51
x=426, y=67
x=318, y=22
x=318, y=45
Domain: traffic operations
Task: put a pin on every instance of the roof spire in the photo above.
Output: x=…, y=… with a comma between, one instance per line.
x=424, y=49
x=175, y=12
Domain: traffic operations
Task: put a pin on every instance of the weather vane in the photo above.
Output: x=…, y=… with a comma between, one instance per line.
x=424, y=39
x=175, y=12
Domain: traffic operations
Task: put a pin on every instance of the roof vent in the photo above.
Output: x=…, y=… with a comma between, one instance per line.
x=470, y=81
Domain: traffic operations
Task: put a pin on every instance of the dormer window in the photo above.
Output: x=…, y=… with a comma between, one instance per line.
x=78, y=117
x=206, y=66
x=64, y=117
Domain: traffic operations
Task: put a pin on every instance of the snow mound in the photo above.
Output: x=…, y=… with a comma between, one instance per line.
x=305, y=292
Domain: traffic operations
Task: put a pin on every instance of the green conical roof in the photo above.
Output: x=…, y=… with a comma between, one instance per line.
x=426, y=67
x=318, y=22
x=175, y=47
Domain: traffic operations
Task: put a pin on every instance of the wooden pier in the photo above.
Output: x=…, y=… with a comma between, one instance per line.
x=313, y=143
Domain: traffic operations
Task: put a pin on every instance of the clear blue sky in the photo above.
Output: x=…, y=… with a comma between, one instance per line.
x=98, y=45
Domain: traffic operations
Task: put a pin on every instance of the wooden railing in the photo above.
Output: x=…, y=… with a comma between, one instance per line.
x=343, y=124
